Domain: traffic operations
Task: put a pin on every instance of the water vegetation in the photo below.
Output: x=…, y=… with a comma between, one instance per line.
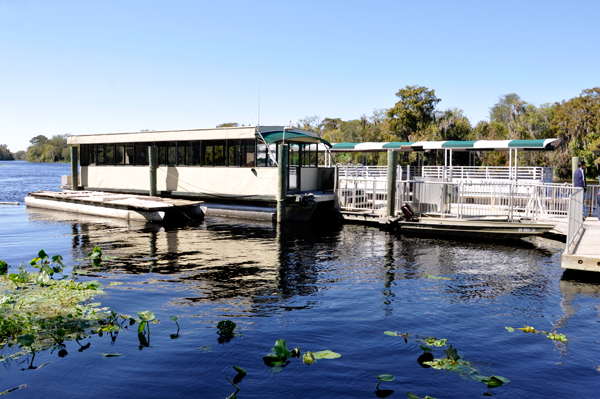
x=38, y=312
x=549, y=334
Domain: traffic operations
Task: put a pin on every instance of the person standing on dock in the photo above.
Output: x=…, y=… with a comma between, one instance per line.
x=579, y=181
x=579, y=178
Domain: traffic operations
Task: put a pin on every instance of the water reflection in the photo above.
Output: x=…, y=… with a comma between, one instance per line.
x=261, y=266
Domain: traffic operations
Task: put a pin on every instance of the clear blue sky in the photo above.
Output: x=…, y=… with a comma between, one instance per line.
x=85, y=67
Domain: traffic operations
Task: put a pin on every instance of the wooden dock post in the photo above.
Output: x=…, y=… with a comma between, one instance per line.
x=391, y=183
x=282, y=171
x=74, y=170
x=153, y=162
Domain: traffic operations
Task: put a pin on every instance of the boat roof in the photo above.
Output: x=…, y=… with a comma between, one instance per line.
x=271, y=134
x=478, y=145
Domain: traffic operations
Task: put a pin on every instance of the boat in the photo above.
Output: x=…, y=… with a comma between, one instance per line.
x=233, y=170
x=484, y=230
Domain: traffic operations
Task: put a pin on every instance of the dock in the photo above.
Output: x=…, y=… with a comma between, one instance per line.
x=115, y=205
x=586, y=253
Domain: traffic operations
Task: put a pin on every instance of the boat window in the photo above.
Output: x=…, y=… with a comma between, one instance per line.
x=248, y=150
x=141, y=151
x=128, y=154
x=183, y=153
x=100, y=160
x=172, y=153
x=207, y=153
x=109, y=154
x=163, y=149
x=309, y=155
x=196, y=153
x=119, y=154
x=219, y=152
x=233, y=153
x=261, y=154
x=294, y=155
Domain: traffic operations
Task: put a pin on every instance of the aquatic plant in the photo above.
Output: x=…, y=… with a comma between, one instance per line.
x=145, y=318
x=432, y=341
x=95, y=258
x=308, y=358
x=413, y=396
x=395, y=334
x=226, y=328
x=550, y=335
x=45, y=264
x=384, y=377
x=47, y=312
x=3, y=267
x=276, y=359
x=175, y=319
x=491, y=381
x=436, y=277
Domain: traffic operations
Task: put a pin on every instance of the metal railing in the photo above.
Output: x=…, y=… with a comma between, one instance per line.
x=490, y=172
x=575, y=225
x=362, y=194
x=462, y=199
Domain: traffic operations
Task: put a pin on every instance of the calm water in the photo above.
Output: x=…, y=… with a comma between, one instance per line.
x=336, y=287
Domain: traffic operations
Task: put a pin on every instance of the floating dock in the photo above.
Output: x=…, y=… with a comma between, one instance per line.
x=122, y=206
x=586, y=254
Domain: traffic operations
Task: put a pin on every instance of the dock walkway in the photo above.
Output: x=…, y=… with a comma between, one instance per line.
x=586, y=255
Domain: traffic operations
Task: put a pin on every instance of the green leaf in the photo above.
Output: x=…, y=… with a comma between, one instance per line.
x=390, y=333
x=146, y=315
x=47, y=269
x=326, y=354
x=42, y=254
x=239, y=369
x=25, y=340
x=281, y=349
x=425, y=348
x=141, y=327
x=386, y=377
x=510, y=329
x=114, y=354
x=452, y=353
x=412, y=395
x=436, y=277
x=232, y=396
x=115, y=283
x=174, y=318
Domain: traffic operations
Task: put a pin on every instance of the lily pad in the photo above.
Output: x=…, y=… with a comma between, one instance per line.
x=386, y=377
x=326, y=354
x=205, y=348
x=239, y=369
x=436, y=277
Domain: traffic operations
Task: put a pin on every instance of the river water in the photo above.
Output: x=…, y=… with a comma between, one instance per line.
x=336, y=287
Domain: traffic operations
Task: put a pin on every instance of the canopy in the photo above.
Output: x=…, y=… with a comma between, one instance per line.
x=479, y=145
x=295, y=135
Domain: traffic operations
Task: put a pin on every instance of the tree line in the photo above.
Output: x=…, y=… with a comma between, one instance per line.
x=42, y=149
x=415, y=117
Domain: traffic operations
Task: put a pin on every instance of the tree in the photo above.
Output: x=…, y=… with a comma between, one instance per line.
x=413, y=113
x=501, y=111
x=577, y=123
x=5, y=154
x=43, y=149
x=228, y=124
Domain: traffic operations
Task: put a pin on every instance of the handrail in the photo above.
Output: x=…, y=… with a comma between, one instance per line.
x=575, y=225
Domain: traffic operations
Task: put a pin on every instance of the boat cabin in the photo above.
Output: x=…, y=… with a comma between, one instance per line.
x=233, y=163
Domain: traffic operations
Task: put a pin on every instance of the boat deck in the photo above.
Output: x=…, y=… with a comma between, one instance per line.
x=124, y=206
x=586, y=255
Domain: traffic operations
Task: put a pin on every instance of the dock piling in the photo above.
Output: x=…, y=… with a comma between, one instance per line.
x=153, y=162
x=74, y=170
x=391, y=183
x=282, y=171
